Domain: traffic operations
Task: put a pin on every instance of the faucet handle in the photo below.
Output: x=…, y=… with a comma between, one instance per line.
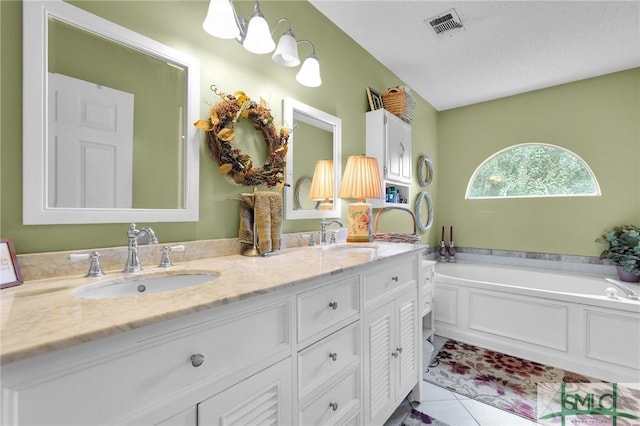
x=95, y=270
x=165, y=261
x=332, y=239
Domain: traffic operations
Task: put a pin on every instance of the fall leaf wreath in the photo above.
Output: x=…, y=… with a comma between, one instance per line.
x=219, y=128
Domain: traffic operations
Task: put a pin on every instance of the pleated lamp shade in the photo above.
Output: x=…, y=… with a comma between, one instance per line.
x=322, y=184
x=361, y=180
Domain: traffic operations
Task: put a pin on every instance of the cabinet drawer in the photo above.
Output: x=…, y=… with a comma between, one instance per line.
x=320, y=361
x=331, y=406
x=328, y=308
x=380, y=280
x=153, y=369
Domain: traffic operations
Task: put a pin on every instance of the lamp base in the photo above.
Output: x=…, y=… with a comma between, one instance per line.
x=359, y=223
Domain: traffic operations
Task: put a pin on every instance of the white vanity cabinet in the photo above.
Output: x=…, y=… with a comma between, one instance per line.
x=391, y=338
x=388, y=139
x=427, y=294
x=297, y=355
x=329, y=367
x=149, y=374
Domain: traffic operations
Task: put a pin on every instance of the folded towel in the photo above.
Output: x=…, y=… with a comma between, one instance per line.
x=245, y=207
x=268, y=219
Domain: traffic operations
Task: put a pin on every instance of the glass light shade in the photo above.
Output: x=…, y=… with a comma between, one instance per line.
x=361, y=179
x=309, y=74
x=258, y=38
x=286, y=53
x=221, y=21
x=322, y=182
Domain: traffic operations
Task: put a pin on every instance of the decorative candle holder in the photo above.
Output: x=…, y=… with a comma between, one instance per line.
x=443, y=252
x=452, y=253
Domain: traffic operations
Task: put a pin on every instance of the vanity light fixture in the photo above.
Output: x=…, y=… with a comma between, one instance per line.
x=322, y=184
x=222, y=21
x=309, y=74
x=361, y=180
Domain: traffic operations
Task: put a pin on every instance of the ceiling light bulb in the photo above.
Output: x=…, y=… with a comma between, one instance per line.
x=258, y=37
x=221, y=21
x=309, y=74
x=286, y=53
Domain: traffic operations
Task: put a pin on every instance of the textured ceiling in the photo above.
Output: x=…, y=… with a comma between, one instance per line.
x=506, y=47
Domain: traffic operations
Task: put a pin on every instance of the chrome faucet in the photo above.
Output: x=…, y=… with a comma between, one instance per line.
x=323, y=229
x=631, y=294
x=137, y=236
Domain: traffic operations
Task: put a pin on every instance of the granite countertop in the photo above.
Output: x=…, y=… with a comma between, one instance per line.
x=42, y=315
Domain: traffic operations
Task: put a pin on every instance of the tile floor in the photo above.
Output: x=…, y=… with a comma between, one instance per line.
x=455, y=409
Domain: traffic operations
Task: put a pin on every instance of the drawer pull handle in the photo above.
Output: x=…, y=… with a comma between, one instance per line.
x=399, y=350
x=333, y=356
x=333, y=305
x=197, y=360
x=334, y=406
x=394, y=354
x=394, y=278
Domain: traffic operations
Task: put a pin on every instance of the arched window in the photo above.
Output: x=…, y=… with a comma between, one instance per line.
x=532, y=170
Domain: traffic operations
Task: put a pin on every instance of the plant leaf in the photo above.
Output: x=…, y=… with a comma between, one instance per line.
x=203, y=125
x=226, y=134
x=214, y=117
x=225, y=168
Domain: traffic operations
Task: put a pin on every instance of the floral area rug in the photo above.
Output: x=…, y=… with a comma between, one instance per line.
x=416, y=418
x=503, y=381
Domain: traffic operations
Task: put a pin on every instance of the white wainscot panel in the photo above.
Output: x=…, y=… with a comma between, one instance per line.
x=446, y=306
x=613, y=338
x=539, y=323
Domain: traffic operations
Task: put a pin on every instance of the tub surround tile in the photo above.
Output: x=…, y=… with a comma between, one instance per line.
x=42, y=315
x=561, y=262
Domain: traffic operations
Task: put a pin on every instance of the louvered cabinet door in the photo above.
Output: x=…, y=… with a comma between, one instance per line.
x=379, y=365
x=261, y=400
x=407, y=341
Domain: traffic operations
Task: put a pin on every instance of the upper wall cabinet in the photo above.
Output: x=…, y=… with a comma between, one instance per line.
x=389, y=140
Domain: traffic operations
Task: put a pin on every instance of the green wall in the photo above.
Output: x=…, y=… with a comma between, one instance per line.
x=346, y=70
x=598, y=119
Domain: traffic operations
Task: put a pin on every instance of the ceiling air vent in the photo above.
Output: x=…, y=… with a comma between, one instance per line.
x=445, y=24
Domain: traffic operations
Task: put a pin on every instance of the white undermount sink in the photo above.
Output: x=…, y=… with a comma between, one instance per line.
x=138, y=285
x=351, y=247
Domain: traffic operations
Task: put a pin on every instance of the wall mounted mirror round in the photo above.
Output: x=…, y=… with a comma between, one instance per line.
x=425, y=171
x=423, y=211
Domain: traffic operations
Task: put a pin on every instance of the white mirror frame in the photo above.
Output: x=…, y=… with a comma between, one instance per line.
x=297, y=110
x=36, y=210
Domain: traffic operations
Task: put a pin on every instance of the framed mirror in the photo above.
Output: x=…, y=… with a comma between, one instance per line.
x=315, y=135
x=107, y=118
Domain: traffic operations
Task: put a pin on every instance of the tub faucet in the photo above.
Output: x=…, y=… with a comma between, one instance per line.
x=631, y=294
x=137, y=236
x=323, y=229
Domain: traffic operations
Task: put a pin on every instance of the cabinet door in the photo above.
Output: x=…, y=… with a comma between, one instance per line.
x=398, y=155
x=262, y=399
x=407, y=341
x=379, y=372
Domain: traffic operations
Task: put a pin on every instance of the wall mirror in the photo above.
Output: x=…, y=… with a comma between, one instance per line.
x=107, y=113
x=315, y=136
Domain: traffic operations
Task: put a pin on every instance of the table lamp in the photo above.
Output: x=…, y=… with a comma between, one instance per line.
x=361, y=180
x=322, y=184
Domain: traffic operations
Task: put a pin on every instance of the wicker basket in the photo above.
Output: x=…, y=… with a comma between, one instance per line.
x=395, y=237
x=400, y=102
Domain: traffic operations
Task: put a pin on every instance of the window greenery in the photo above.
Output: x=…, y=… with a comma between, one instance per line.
x=532, y=170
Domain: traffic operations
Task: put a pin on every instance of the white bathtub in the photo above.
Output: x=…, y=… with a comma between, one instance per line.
x=556, y=318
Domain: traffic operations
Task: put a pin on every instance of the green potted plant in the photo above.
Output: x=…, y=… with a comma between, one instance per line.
x=623, y=251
